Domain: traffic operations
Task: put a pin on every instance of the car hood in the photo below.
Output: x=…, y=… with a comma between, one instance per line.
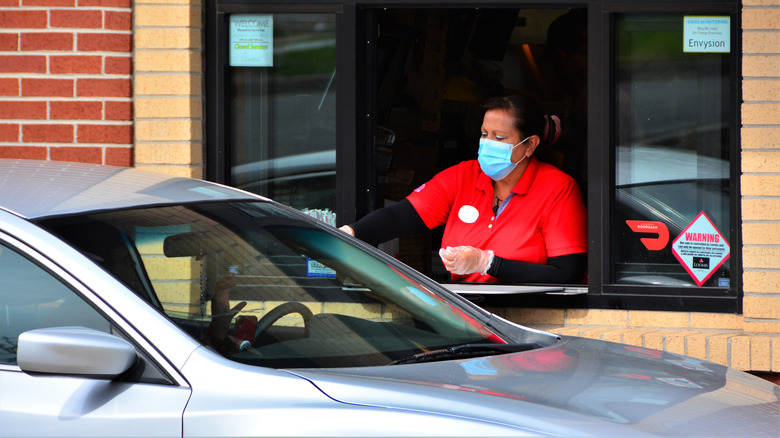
x=576, y=387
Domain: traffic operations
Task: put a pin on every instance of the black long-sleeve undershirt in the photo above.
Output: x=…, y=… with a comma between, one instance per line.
x=397, y=220
x=565, y=269
x=401, y=219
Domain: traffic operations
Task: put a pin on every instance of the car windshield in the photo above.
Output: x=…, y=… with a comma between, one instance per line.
x=265, y=285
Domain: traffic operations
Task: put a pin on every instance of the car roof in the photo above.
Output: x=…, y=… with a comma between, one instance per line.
x=35, y=189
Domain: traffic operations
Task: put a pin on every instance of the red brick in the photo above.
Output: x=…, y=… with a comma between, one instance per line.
x=77, y=19
x=105, y=42
x=9, y=87
x=103, y=87
x=22, y=110
x=118, y=20
x=47, y=87
x=9, y=3
x=22, y=19
x=77, y=110
x=118, y=110
x=9, y=132
x=47, y=133
x=114, y=134
x=9, y=42
x=46, y=41
x=59, y=3
x=23, y=152
x=119, y=157
x=119, y=65
x=78, y=154
x=75, y=64
x=107, y=3
x=22, y=64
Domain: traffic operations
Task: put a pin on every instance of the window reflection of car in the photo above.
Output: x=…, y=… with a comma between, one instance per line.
x=303, y=180
x=670, y=186
x=286, y=168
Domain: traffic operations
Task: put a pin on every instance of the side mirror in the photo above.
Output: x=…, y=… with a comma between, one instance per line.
x=74, y=351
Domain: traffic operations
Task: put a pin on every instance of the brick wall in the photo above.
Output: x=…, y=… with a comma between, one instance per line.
x=733, y=340
x=65, y=80
x=169, y=86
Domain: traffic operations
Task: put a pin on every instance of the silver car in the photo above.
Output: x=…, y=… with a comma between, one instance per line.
x=137, y=304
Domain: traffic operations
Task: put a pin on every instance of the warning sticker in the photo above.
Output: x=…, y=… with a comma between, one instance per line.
x=701, y=249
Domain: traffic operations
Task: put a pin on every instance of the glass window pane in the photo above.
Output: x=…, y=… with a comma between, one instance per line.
x=282, y=117
x=30, y=298
x=672, y=155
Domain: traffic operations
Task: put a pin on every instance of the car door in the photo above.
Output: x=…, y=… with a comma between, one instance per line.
x=35, y=293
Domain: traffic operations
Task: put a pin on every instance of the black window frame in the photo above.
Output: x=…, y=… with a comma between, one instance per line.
x=603, y=294
x=216, y=157
x=354, y=105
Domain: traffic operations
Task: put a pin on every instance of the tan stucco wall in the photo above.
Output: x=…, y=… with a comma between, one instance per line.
x=168, y=86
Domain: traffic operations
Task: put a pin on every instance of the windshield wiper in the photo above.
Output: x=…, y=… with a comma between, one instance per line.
x=465, y=351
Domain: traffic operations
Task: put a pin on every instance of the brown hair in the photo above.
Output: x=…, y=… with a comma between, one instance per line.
x=528, y=115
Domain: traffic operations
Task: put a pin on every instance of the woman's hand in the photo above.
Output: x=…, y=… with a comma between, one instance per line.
x=462, y=260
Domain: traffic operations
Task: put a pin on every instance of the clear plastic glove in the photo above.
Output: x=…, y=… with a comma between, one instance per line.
x=347, y=229
x=462, y=260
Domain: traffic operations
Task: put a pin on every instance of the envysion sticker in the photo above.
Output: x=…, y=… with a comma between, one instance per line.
x=468, y=214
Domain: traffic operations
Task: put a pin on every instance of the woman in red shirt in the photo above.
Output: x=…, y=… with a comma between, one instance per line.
x=507, y=216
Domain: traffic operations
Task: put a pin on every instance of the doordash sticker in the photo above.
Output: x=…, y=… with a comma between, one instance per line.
x=651, y=227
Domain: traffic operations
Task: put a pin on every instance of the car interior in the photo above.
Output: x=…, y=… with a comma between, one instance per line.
x=259, y=285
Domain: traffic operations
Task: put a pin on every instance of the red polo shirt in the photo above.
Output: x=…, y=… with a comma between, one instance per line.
x=545, y=216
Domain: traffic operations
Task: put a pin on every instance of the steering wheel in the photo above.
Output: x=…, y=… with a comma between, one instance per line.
x=279, y=311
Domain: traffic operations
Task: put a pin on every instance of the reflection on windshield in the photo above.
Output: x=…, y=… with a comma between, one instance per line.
x=262, y=285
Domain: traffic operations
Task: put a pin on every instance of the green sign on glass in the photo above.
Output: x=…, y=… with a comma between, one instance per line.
x=251, y=40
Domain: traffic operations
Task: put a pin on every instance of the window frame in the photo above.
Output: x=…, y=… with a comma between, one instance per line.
x=601, y=175
x=354, y=106
x=217, y=157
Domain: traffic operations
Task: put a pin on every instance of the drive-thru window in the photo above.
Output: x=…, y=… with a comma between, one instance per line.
x=340, y=108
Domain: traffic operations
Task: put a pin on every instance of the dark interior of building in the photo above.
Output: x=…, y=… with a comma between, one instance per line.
x=433, y=70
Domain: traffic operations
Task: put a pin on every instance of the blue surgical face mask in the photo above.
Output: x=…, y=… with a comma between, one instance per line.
x=495, y=158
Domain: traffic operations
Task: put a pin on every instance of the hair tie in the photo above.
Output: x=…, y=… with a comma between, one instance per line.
x=552, y=131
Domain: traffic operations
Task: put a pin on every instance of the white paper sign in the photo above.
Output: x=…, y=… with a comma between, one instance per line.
x=701, y=249
x=251, y=40
x=707, y=34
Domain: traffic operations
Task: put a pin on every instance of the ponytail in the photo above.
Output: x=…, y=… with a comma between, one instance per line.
x=552, y=129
